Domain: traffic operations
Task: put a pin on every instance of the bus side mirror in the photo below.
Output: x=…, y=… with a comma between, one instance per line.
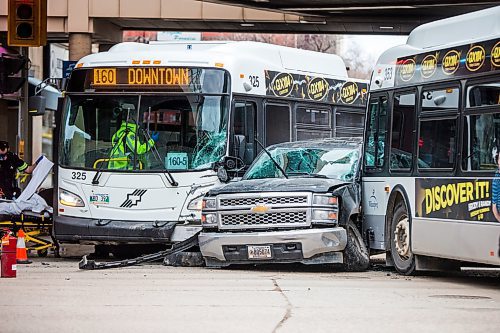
x=36, y=105
x=228, y=168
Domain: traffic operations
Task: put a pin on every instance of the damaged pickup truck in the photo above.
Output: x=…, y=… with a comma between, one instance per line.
x=298, y=202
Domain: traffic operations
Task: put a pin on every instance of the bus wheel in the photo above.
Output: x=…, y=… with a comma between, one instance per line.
x=403, y=258
x=356, y=258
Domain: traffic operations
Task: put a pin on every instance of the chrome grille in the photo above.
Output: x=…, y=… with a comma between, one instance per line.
x=269, y=219
x=235, y=202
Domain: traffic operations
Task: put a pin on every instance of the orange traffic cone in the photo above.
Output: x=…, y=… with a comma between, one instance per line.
x=21, y=254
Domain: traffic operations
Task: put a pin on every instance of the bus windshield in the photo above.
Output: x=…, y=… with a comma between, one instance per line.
x=144, y=131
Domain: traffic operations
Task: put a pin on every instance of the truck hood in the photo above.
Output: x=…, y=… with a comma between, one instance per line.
x=318, y=185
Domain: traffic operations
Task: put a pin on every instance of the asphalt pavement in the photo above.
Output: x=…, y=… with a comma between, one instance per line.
x=52, y=294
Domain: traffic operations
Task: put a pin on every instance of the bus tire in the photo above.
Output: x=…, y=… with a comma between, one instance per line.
x=402, y=256
x=356, y=257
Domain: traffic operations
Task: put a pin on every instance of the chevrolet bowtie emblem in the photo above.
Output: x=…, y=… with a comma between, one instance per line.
x=260, y=209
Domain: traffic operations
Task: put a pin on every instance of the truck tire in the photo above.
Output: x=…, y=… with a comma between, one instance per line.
x=402, y=256
x=356, y=257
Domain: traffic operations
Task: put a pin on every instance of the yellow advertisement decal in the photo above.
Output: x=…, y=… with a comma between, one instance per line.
x=446, y=195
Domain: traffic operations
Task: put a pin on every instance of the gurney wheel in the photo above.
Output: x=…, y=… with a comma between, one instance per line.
x=42, y=253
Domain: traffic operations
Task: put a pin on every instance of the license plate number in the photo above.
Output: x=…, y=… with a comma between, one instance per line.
x=259, y=252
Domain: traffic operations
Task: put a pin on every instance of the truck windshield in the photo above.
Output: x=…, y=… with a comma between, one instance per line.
x=334, y=163
x=144, y=132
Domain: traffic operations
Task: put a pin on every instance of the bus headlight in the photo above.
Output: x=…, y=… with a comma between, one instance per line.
x=196, y=203
x=324, y=200
x=324, y=216
x=209, y=220
x=70, y=199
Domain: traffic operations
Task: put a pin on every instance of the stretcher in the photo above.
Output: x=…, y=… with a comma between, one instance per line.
x=31, y=213
x=37, y=228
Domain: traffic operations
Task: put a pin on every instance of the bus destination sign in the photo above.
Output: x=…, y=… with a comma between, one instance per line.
x=141, y=76
x=317, y=89
x=441, y=64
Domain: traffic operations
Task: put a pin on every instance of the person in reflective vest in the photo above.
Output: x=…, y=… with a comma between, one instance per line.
x=126, y=143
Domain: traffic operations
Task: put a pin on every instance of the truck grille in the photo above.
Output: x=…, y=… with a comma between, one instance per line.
x=235, y=202
x=296, y=218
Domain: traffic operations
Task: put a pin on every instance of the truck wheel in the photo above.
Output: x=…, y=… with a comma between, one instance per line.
x=356, y=258
x=403, y=258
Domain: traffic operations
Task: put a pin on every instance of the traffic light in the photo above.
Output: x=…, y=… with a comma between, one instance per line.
x=10, y=66
x=27, y=23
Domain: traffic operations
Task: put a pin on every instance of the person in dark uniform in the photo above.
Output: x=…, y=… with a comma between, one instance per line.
x=9, y=164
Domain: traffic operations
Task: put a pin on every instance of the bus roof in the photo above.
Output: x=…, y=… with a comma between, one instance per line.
x=443, y=34
x=231, y=54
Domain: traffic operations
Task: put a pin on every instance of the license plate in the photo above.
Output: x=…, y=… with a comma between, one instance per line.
x=259, y=252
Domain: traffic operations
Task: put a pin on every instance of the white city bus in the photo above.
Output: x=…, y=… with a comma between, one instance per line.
x=203, y=102
x=431, y=137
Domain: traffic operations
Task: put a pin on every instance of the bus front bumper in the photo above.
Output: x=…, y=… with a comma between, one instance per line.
x=309, y=246
x=100, y=231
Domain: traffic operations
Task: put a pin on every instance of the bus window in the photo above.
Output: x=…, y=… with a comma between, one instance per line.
x=244, y=131
x=377, y=132
x=349, y=123
x=481, y=141
x=313, y=123
x=440, y=100
x=437, y=143
x=403, y=124
x=277, y=124
x=483, y=94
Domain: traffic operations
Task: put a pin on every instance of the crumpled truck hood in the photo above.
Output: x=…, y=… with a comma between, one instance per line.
x=317, y=185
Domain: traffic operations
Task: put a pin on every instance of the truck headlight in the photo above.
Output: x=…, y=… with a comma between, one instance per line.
x=324, y=200
x=324, y=216
x=208, y=203
x=208, y=220
x=196, y=203
x=70, y=199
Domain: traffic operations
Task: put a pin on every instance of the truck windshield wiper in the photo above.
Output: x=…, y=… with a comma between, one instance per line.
x=272, y=159
x=303, y=173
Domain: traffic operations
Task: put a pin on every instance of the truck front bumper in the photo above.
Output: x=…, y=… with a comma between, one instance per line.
x=304, y=245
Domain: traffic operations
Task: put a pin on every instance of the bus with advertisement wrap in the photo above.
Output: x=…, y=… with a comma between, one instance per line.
x=144, y=128
x=431, y=173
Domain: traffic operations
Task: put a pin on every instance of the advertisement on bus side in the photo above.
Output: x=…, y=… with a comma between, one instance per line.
x=317, y=89
x=442, y=64
x=458, y=198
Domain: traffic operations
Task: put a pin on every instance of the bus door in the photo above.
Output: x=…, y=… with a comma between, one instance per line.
x=244, y=124
x=373, y=183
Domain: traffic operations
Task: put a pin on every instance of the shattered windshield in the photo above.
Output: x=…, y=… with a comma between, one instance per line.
x=334, y=162
x=144, y=132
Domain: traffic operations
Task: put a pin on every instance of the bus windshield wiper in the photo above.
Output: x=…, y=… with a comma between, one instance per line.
x=272, y=159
